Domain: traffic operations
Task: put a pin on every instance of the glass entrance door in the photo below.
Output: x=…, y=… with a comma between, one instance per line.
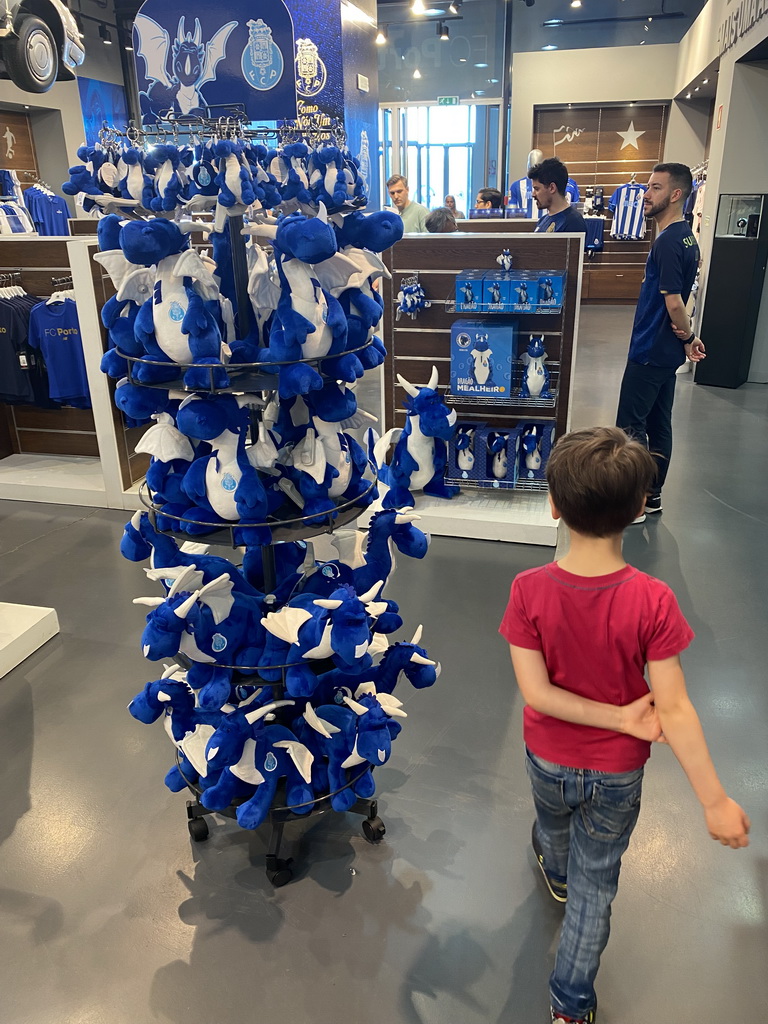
x=441, y=150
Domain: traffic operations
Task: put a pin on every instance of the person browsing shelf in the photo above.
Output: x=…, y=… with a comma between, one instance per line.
x=414, y=214
x=549, y=180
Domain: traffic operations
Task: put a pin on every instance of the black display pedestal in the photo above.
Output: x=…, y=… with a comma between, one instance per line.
x=736, y=275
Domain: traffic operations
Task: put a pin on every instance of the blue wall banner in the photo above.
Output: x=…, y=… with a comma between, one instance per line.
x=197, y=59
x=100, y=102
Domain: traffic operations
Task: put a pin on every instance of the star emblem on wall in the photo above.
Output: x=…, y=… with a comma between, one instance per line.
x=630, y=136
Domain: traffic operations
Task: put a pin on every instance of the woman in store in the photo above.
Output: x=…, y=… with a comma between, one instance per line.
x=450, y=202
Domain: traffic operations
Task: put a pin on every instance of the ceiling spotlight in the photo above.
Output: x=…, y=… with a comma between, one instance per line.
x=462, y=60
x=705, y=81
x=642, y=42
x=696, y=89
x=128, y=47
x=650, y=19
x=687, y=95
x=442, y=31
x=418, y=7
x=645, y=27
x=381, y=36
x=106, y=37
x=549, y=46
x=575, y=3
x=455, y=7
x=553, y=23
x=481, y=64
x=417, y=73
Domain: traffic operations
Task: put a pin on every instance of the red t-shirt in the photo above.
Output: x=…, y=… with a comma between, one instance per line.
x=596, y=634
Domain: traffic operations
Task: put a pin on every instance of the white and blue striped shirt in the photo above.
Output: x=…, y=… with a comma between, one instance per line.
x=628, y=215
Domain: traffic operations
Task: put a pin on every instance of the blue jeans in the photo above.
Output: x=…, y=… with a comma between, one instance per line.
x=583, y=821
x=645, y=412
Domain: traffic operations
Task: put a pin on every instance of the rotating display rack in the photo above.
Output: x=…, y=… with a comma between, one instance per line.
x=277, y=689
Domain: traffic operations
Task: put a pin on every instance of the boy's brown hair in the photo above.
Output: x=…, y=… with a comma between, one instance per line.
x=599, y=479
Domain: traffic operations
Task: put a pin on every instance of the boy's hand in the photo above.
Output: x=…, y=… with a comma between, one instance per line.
x=728, y=823
x=641, y=720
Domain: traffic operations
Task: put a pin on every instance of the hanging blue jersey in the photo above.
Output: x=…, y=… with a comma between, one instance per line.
x=669, y=270
x=628, y=214
x=521, y=195
x=572, y=193
x=594, y=240
x=55, y=331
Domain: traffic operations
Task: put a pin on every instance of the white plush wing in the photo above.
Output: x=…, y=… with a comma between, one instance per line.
x=359, y=421
x=165, y=442
x=309, y=456
x=300, y=756
x=339, y=273
x=218, y=596
x=191, y=547
x=350, y=545
x=171, y=573
x=115, y=264
x=137, y=286
x=369, y=263
x=382, y=446
x=286, y=623
x=189, y=264
x=378, y=645
x=245, y=768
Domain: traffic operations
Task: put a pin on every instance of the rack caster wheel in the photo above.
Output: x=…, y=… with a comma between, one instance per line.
x=374, y=830
x=282, y=875
x=198, y=829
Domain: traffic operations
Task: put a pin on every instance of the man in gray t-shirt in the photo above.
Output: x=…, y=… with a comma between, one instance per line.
x=414, y=214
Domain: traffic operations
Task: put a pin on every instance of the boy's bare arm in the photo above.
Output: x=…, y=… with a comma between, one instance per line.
x=636, y=719
x=725, y=819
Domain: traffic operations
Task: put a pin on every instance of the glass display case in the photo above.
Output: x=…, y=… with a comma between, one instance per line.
x=739, y=216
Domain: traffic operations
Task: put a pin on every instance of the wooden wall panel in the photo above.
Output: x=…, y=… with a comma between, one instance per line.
x=17, y=147
x=29, y=417
x=595, y=142
x=58, y=442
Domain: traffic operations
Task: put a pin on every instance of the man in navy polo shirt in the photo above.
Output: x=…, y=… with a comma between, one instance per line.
x=550, y=181
x=661, y=334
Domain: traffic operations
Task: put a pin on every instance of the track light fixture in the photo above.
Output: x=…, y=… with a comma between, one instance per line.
x=417, y=73
x=381, y=36
x=455, y=7
x=418, y=7
x=106, y=36
x=442, y=31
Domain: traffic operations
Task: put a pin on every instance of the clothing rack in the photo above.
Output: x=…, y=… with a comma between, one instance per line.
x=61, y=282
x=700, y=170
x=10, y=277
x=35, y=180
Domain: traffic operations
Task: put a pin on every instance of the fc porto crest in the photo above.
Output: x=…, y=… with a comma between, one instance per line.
x=262, y=61
x=311, y=74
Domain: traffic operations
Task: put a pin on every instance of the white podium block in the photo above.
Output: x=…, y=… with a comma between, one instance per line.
x=23, y=629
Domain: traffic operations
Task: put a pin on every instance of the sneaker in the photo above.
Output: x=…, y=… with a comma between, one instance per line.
x=640, y=519
x=558, y=890
x=653, y=504
x=558, y=1018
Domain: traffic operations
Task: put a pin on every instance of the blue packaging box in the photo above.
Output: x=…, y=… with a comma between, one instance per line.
x=497, y=296
x=465, y=458
x=502, y=458
x=549, y=291
x=482, y=356
x=523, y=291
x=469, y=291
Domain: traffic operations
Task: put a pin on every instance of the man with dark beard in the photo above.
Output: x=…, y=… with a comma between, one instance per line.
x=661, y=334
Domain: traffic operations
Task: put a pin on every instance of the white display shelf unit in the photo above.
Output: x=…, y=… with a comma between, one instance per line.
x=521, y=514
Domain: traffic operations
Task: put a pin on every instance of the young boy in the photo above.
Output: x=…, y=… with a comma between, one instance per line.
x=581, y=632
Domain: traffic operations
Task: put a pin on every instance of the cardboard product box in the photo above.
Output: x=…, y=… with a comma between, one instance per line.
x=482, y=356
x=523, y=291
x=545, y=439
x=469, y=291
x=497, y=295
x=550, y=288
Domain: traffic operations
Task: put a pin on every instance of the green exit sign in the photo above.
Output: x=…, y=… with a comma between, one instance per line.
x=447, y=101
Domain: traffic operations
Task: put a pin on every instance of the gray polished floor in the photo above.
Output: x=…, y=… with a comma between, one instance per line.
x=108, y=915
